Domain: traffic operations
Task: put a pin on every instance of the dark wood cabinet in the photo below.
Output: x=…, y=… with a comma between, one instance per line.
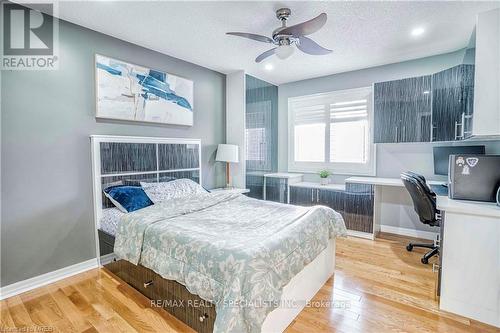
x=437, y=107
x=302, y=196
x=358, y=207
x=402, y=110
x=276, y=189
x=355, y=203
x=452, y=103
x=332, y=198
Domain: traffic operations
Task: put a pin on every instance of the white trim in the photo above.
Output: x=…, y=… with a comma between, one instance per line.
x=360, y=234
x=44, y=279
x=143, y=139
x=409, y=232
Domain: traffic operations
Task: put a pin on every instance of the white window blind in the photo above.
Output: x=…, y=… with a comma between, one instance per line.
x=331, y=131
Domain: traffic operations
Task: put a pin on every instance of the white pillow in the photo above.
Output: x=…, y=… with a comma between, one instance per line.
x=178, y=188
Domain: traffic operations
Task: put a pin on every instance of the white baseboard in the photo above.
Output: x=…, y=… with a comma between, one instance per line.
x=409, y=232
x=360, y=234
x=44, y=279
x=107, y=258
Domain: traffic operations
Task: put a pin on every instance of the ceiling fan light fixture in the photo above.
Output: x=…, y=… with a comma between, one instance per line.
x=284, y=51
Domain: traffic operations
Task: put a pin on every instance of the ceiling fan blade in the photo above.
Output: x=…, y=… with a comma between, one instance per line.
x=307, y=27
x=266, y=54
x=258, y=38
x=309, y=46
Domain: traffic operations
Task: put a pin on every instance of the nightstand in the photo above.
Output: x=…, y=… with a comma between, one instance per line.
x=231, y=190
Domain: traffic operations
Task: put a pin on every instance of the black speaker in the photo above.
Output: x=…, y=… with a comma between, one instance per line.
x=498, y=196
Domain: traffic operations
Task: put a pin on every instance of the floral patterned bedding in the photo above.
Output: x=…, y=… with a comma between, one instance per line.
x=231, y=250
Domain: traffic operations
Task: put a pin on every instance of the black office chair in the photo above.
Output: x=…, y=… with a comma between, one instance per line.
x=424, y=203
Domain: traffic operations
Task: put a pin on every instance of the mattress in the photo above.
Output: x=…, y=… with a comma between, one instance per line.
x=110, y=220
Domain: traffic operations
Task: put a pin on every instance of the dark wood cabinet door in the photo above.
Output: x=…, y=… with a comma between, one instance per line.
x=402, y=110
x=301, y=196
x=452, y=103
x=276, y=189
x=332, y=198
x=358, y=207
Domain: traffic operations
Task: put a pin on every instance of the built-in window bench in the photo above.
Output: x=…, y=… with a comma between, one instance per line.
x=353, y=201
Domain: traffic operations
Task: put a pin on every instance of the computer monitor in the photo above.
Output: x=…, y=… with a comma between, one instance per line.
x=442, y=156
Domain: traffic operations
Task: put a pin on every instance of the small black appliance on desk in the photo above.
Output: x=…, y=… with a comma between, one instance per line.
x=474, y=177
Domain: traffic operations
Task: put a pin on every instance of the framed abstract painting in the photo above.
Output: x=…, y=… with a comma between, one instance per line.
x=130, y=92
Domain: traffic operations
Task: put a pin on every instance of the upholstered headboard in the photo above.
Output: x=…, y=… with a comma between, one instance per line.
x=129, y=160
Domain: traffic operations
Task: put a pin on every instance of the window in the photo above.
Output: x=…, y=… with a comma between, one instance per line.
x=256, y=144
x=332, y=131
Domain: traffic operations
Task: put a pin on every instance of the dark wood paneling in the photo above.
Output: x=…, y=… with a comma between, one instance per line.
x=452, y=103
x=170, y=295
x=358, y=207
x=332, y=198
x=355, y=204
x=301, y=196
x=120, y=157
x=178, y=156
x=106, y=242
x=402, y=110
x=276, y=189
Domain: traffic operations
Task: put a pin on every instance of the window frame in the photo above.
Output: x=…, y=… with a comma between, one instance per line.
x=340, y=168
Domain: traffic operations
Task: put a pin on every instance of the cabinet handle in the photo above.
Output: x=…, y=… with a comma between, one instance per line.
x=202, y=318
x=435, y=268
x=462, y=126
x=457, y=124
x=317, y=195
x=147, y=284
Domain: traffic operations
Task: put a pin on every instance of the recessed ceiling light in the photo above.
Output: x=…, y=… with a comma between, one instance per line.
x=268, y=67
x=417, y=31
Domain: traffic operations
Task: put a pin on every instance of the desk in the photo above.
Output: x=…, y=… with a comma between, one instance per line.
x=470, y=259
x=384, y=181
x=393, y=206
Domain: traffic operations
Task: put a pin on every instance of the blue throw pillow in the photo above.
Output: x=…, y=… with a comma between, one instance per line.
x=128, y=198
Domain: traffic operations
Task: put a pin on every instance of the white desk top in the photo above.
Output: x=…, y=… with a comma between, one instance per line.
x=468, y=207
x=383, y=181
x=338, y=187
x=283, y=175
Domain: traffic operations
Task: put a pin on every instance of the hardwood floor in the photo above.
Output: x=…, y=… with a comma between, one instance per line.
x=378, y=287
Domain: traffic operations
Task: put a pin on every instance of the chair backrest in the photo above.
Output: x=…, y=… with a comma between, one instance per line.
x=424, y=200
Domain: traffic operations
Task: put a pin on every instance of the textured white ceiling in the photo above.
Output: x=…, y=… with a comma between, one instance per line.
x=362, y=34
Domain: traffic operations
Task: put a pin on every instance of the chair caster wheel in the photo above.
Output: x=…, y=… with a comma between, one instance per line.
x=409, y=247
x=424, y=260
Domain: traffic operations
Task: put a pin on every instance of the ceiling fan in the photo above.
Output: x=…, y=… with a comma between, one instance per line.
x=285, y=37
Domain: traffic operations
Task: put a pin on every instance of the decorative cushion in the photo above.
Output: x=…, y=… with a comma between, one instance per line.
x=127, y=198
x=178, y=188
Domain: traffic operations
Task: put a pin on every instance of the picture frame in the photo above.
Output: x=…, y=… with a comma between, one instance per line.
x=130, y=92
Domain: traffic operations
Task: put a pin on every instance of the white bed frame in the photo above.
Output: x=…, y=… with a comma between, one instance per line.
x=298, y=291
x=302, y=288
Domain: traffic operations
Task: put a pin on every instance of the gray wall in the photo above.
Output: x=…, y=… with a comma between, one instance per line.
x=392, y=159
x=47, y=117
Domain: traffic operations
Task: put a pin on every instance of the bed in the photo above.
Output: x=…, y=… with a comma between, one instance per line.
x=240, y=264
